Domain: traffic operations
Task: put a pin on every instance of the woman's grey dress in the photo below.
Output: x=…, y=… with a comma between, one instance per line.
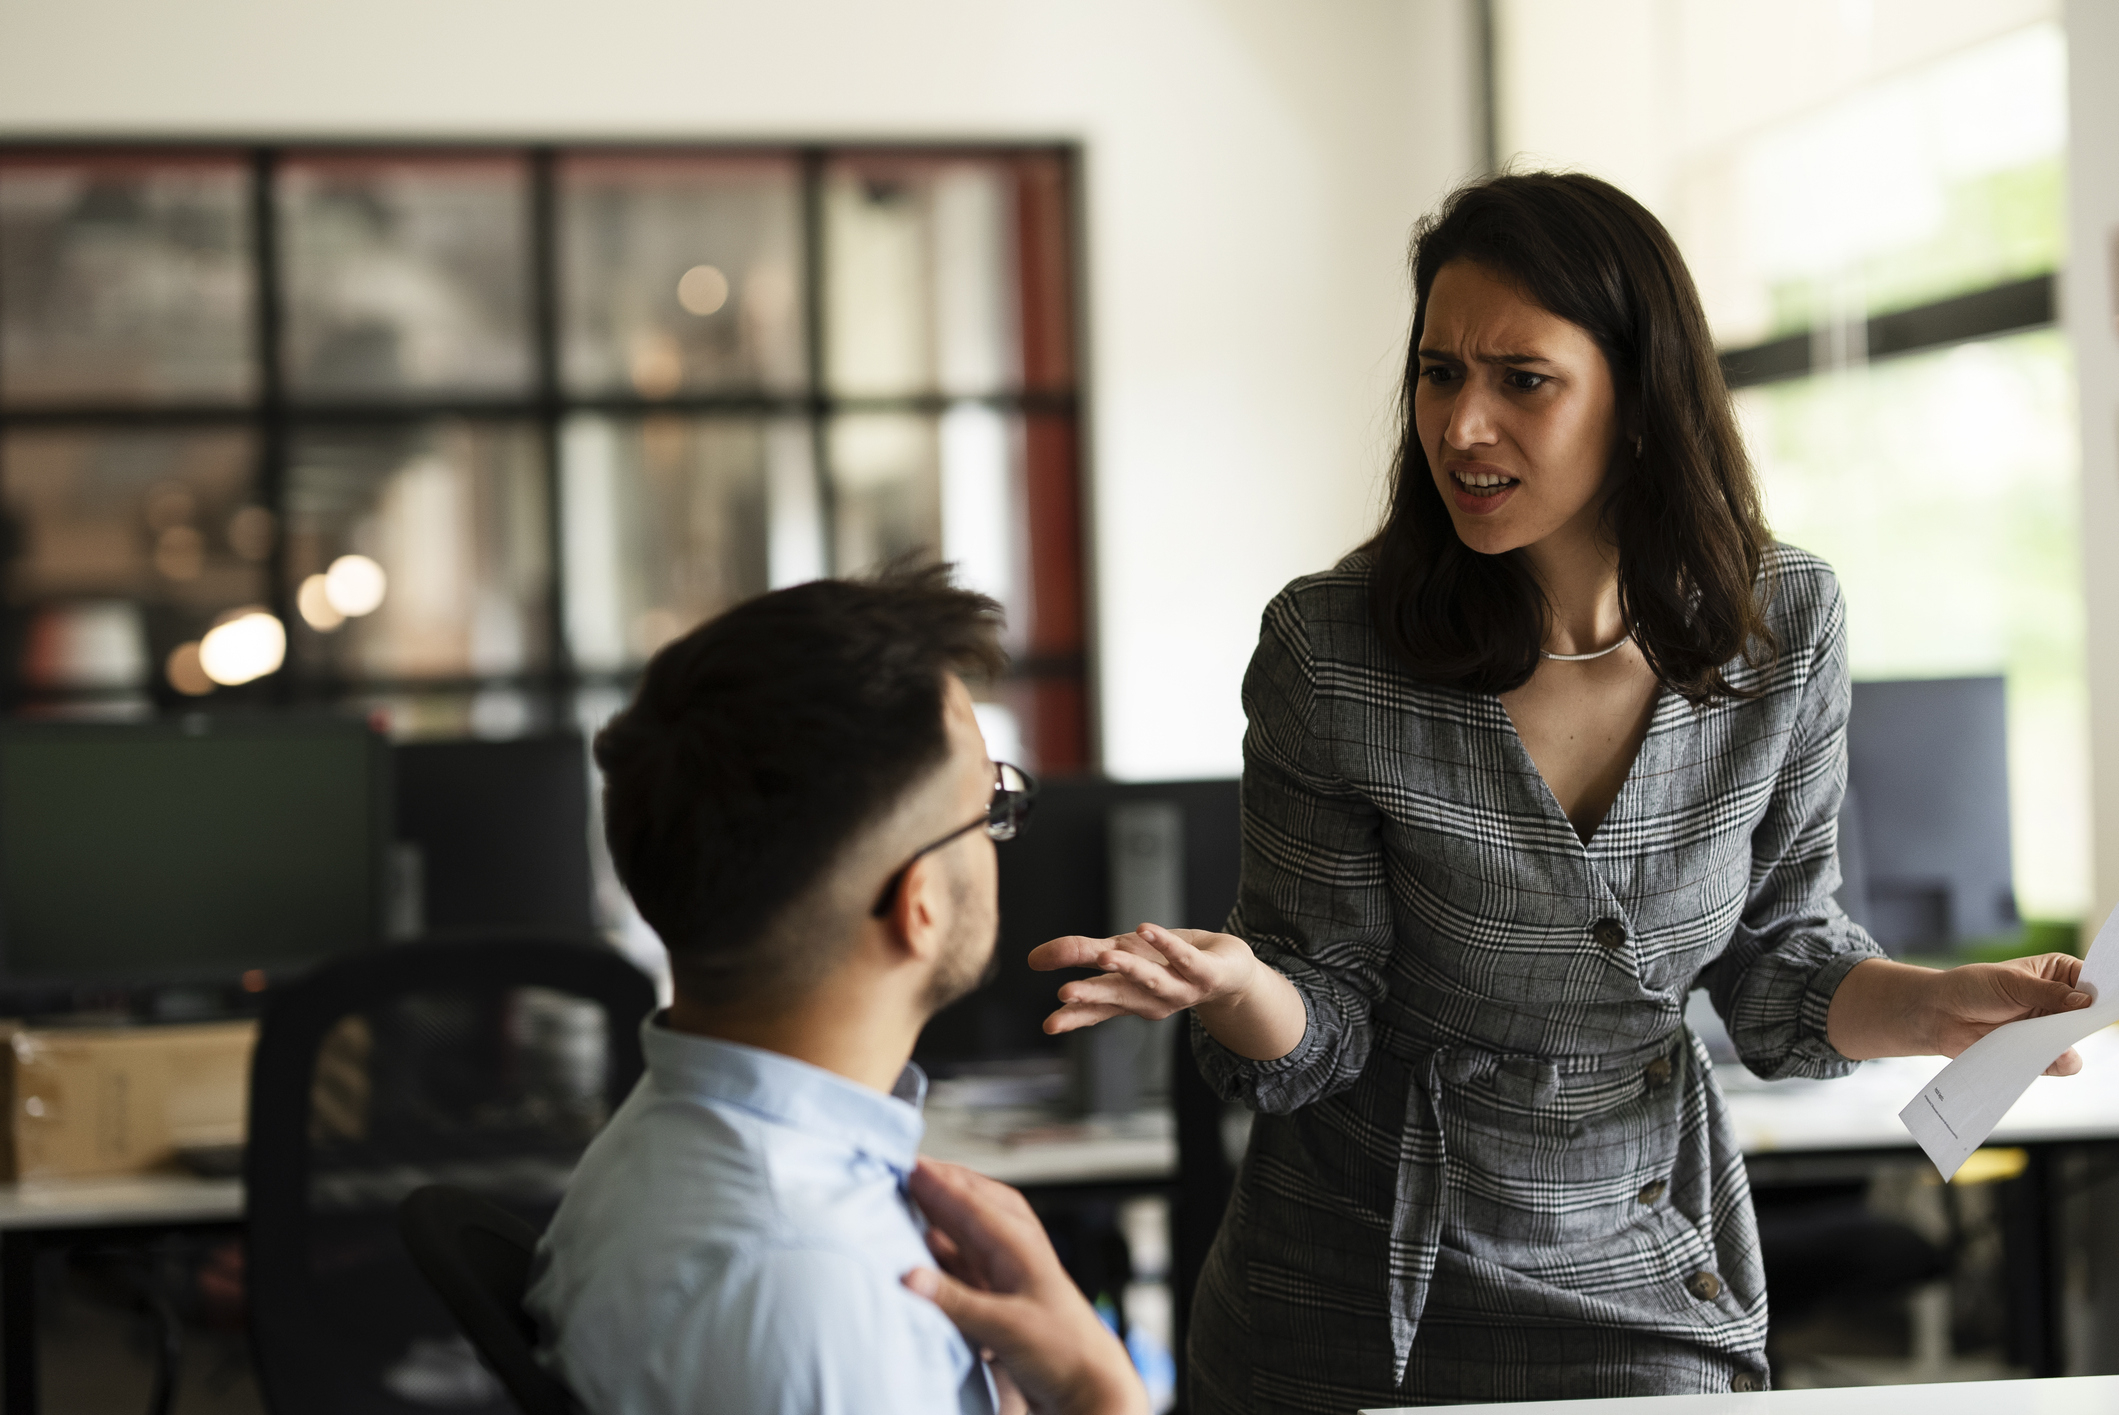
x=1496, y=1166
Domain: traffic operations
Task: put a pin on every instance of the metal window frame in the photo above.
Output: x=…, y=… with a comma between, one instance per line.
x=2011, y=307
x=273, y=415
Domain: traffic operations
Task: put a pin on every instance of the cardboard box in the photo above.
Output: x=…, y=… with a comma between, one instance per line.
x=120, y=1100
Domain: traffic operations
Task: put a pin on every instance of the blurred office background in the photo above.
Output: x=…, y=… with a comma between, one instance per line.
x=434, y=366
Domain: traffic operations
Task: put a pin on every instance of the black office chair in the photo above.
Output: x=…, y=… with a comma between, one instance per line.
x=487, y=1065
x=477, y=1255
x=1821, y=1246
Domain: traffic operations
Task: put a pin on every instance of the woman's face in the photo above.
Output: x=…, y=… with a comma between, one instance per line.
x=1517, y=412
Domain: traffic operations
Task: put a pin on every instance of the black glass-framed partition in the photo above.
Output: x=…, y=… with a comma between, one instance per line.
x=458, y=432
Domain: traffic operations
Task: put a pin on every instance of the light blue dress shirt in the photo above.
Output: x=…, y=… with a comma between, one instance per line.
x=733, y=1242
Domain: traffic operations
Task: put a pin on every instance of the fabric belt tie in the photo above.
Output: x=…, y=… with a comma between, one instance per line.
x=1416, y=1209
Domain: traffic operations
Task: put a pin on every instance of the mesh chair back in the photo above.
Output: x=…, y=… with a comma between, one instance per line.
x=477, y=1256
x=488, y=1065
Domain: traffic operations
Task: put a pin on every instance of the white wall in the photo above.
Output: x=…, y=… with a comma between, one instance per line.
x=1252, y=169
x=2089, y=295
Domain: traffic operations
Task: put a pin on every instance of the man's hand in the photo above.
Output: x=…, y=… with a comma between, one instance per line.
x=1003, y=1286
x=1894, y=1009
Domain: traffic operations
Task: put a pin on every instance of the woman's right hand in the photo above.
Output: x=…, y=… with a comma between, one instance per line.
x=1151, y=972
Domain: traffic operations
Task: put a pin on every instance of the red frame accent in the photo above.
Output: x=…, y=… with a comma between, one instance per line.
x=1056, y=691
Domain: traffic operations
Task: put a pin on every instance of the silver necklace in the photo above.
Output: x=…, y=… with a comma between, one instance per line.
x=1586, y=657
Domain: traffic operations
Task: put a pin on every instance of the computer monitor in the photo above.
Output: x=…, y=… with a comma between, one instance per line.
x=1927, y=858
x=501, y=831
x=197, y=850
x=1057, y=878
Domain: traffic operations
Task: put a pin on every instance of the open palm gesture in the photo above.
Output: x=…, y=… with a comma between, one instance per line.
x=1151, y=972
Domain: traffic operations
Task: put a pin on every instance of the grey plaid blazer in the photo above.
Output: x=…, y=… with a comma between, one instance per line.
x=1497, y=1165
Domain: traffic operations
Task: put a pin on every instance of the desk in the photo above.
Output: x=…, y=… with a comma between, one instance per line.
x=1023, y=1149
x=1796, y=1127
x=1860, y=1112
x=1028, y=1148
x=2077, y=1395
x=1032, y=1148
x=36, y=1210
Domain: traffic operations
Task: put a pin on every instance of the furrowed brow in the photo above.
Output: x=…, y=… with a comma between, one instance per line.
x=1444, y=356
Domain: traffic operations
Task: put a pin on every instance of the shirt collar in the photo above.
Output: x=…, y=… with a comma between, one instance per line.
x=794, y=1093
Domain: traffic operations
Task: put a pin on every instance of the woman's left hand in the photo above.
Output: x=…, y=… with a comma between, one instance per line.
x=1884, y=1008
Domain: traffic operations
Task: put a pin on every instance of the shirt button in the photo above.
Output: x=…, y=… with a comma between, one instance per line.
x=1651, y=1192
x=1744, y=1381
x=1658, y=1072
x=1609, y=933
x=1705, y=1286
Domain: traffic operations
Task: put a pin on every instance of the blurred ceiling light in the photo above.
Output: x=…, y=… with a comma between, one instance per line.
x=180, y=553
x=703, y=289
x=355, y=585
x=251, y=531
x=249, y=645
x=186, y=675
x=658, y=365
x=315, y=604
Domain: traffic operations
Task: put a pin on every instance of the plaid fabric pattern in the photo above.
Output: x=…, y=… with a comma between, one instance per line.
x=1497, y=1166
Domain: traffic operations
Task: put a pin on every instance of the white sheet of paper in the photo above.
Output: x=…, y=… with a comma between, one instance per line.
x=1954, y=1113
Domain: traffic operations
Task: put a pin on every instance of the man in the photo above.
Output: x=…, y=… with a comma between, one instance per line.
x=800, y=802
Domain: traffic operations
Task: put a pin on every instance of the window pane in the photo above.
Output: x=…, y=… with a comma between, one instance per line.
x=452, y=514
x=671, y=519
x=925, y=265
x=405, y=275
x=125, y=279
x=1940, y=181
x=950, y=487
x=681, y=275
x=1942, y=490
x=886, y=482
x=131, y=543
x=1817, y=161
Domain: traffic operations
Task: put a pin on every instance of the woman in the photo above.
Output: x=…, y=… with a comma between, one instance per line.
x=1565, y=740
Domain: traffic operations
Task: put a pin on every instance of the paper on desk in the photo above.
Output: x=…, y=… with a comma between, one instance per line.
x=1954, y=1113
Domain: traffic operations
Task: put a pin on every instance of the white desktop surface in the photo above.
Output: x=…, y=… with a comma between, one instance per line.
x=1014, y=1147
x=1030, y=1146
x=1024, y=1146
x=1860, y=1112
x=116, y=1200
x=1857, y=1112
x=2073, y=1395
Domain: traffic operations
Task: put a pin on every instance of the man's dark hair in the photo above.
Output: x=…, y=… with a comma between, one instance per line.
x=1685, y=512
x=761, y=745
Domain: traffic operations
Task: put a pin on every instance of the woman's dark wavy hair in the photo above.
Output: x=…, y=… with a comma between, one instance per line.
x=1685, y=513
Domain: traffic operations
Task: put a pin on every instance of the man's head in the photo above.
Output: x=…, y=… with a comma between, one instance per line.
x=781, y=764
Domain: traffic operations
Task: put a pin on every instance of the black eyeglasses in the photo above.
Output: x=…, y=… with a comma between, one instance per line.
x=1013, y=789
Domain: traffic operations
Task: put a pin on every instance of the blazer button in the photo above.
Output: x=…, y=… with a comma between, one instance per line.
x=1658, y=1072
x=1651, y=1192
x=1745, y=1381
x=1705, y=1286
x=1609, y=933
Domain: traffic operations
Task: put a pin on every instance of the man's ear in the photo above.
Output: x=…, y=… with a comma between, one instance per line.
x=917, y=919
